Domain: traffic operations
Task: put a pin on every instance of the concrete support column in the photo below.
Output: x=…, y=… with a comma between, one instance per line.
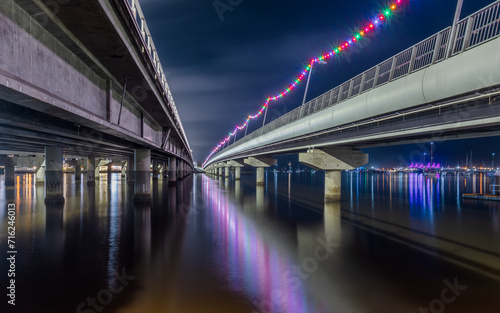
x=333, y=181
x=97, y=169
x=142, y=186
x=220, y=171
x=91, y=171
x=260, y=163
x=181, y=169
x=155, y=169
x=109, y=173
x=78, y=170
x=10, y=177
x=124, y=169
x=260, y=176
x=237, y=168
x=172, y=171
x=333, y=161
x=131, y=170
x=165, y=170
x=40, y=174
x=226, y=171
x=54, y=175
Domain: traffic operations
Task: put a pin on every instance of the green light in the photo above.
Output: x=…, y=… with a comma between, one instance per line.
x=387, y=13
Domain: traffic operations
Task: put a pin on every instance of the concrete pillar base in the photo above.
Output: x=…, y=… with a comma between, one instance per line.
x=78, y=171
x=142, y=190
x=54, y=175
x=333, y=182
x=91, y=171
x=10, y=176
x=172, y=171
x=237, y=173
x=260, y=176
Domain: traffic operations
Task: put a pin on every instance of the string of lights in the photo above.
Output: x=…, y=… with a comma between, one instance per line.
x=369, y=28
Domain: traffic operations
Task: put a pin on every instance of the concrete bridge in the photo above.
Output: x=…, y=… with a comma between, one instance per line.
x=81, y=80
x=445, y=87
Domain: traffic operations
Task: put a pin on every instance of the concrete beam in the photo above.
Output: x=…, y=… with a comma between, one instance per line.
x=341, y=158
x=333, y=161
x=260, y=161
x=234, y=163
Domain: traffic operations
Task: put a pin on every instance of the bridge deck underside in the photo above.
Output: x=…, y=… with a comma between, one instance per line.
x=468, y=119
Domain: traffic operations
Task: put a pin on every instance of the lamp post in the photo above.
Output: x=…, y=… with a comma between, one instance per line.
x=432, y=155
x=309, y=79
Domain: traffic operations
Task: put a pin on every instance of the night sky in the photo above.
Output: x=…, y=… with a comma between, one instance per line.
x=222, y=67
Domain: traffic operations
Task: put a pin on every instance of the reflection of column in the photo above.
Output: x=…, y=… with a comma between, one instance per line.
x=142, y=231
x=172, y=198
x=109, y=173
x=91, y=170
x=332, y=222
x=142, y=166
x=474, y=182
x=54, y=175
x=172, y=171
x=155, y=169
x=165, y=171
x=260, y=198
x=237, y=190
x=10, y=179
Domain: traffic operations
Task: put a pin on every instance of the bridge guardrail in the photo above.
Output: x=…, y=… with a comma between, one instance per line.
x=149, y=46
x=476, y=29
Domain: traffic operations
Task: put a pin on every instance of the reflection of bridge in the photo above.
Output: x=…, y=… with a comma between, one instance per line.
x=83, y=79
x=445, y=87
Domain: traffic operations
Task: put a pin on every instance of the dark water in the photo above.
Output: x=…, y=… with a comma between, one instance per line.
x=396, y=243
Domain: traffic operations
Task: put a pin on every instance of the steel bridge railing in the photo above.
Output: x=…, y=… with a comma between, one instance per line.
x=149, y=47
x=472, y=31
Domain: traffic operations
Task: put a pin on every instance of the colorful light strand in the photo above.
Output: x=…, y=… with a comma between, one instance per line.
x=363, y=32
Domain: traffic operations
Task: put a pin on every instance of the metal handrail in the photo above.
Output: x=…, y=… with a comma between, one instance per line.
x=149, y=47
x=476, y=29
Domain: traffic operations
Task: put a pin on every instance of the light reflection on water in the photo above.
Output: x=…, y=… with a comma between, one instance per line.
x=209, y=245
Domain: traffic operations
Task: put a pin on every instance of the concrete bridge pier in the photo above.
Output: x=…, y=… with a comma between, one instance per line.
x=40, y=174
x=155, y=169
x=54, y=193
x=220, y=171
x=260, y=163
x=124, y=169
x=142, y=186
x=91, y=171
x=78, y=170
x=130, y=170
x=109, y=173
x=333, y=161
x=172, y=171
x=10, y=177
x=180, y=172
x=237, y=168
x=164, y=171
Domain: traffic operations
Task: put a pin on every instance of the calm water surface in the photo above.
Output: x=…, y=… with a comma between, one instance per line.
x=396, y=243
